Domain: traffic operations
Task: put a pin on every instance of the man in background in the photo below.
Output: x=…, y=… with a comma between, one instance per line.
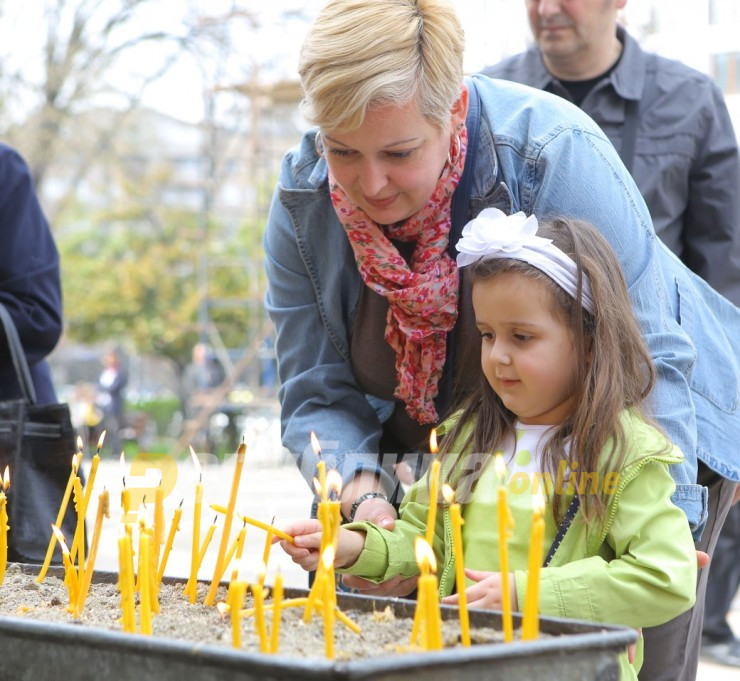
x=672, y=130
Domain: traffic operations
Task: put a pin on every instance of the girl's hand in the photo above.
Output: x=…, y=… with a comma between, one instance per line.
x=306, y=545
x=486, y=593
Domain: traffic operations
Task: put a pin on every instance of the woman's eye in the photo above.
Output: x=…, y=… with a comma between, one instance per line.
x=400, y=154
x=340, y=152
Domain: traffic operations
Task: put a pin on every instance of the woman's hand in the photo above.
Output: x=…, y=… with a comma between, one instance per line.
x=304, y=550
x=486, y=593
x=377, y=511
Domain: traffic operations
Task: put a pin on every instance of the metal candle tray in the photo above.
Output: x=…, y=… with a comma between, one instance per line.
x=40, y=651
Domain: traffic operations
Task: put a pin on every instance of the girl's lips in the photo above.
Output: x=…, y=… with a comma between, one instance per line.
x=381, y=203
x=508, y=382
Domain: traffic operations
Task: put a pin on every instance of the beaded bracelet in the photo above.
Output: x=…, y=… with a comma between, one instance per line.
x=363, y=497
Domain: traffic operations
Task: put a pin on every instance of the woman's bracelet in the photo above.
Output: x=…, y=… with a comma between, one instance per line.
x=361, y=498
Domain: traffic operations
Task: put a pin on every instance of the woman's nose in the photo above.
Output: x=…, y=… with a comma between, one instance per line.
x=373, y=179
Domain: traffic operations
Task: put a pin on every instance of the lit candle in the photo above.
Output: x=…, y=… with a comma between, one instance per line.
x=174, y=526
x=329, y=599
x=4, y=524
x=277, y=604
x=126, y=579
x=80, y=529
x=237, y=592
x=191, y=588
x=457, y=552
x=125, y=497
x=220, y=567
x=78, y=541
x=433, y=489
x=530, y=621
x=194, y=564
x=70, y=575
x=145, y=591
x=60, y=517
x=505, y=531
x=334, y=507
x=321, y=466
x=258, y=594
x=103, y=507
x=431, y=620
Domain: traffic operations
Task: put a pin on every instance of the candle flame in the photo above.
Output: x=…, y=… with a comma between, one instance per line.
x=327, y=558
x=196, y=463
x=433, y=441
x=538, y=502
x=60, y=538
x=334, y=482
x=6, y=478
x=315, y=444
x=448, y=493
x=499, y=467
x=76, y=463
x=424, y=554
x=101, y=439
x=79, y=445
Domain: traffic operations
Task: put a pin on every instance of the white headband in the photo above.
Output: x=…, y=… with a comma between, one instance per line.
x=493, y=234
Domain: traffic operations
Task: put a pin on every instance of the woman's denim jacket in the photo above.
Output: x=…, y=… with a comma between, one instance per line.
x=539, y=154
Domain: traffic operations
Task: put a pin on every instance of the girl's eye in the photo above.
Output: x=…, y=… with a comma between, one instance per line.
x=522, y=338
x=400, y=154
x=487, y=335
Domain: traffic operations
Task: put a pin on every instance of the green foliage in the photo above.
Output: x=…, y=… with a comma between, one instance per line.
x=160, y=410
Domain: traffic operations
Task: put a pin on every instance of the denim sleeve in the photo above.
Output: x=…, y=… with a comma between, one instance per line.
x=318, y=390
x=578, y=174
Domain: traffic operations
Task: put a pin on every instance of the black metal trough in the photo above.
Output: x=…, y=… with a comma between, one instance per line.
x=40, y=651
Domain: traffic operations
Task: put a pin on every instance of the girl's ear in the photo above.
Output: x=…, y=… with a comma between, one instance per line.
x=459, y=110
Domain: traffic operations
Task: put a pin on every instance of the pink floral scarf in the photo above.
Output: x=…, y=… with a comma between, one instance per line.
x=423, y=295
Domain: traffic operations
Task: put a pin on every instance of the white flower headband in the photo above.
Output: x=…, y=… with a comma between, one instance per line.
x=493, y=234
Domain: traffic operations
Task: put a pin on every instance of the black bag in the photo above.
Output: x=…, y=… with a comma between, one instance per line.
x=38, y=443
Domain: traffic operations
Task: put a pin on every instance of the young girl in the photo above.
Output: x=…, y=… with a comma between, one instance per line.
x=565, y=371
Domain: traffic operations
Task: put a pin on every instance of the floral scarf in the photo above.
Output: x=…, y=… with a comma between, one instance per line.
x=422, y=295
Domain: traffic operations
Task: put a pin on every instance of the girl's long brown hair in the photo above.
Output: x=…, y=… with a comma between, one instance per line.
x=615, y=372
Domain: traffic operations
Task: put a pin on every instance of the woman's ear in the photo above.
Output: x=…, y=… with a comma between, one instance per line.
x=459, y=110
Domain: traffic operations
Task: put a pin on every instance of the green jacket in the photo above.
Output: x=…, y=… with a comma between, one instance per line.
x=637, y=568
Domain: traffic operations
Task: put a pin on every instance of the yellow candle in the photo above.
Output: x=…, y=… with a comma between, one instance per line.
x=258, y=594
x=145, y=591
x=430, y=624
x=194, y=564
x=103, y=505
x=220, y=567
x=78, y=542
x=158, y=522
x=329, y=598
x=433, y=490
x=255, y=523
x=457, y=552
x=70, y=574
x=236, y=602
x=334, y=507
x=321, y=467
x=80, y=530
x=4, y=524
x=530, y=621
x=266, y=552
x=60, y=517
x=174, y=526
x=277, y=604
x=126, y=497
x=235, y=553
x=126, y=580
x=505, y=531
x=191, y=588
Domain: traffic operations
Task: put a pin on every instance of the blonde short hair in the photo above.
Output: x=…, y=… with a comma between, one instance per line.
x=362, y=54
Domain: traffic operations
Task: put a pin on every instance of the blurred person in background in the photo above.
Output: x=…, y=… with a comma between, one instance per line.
x=673, y=132
x=30, y=287
x=110, y=397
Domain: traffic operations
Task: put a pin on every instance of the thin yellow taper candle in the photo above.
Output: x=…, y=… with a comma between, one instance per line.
x=79, y=536
x=191, y=588
x=237, y=592
x=103, y=511
x=457, y=552
x=79, y=501
x=158, y=522
x=258, y=595
x=329, y=598
x=277, y=605
x=430, y=623
x=194, y=564
x=505, y=532
x=433, y=489
x=174, y=526
x=60, y=516
x=70, y=574
x=530, y=620
x=126, y=579
x=145, y=591
x=225, y=536
x=4, y=524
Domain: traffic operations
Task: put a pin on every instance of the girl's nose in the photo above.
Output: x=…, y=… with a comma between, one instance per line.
x=499, y=354
x=373, y=179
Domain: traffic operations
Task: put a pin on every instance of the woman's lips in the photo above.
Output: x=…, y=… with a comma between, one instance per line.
x=381, y=203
